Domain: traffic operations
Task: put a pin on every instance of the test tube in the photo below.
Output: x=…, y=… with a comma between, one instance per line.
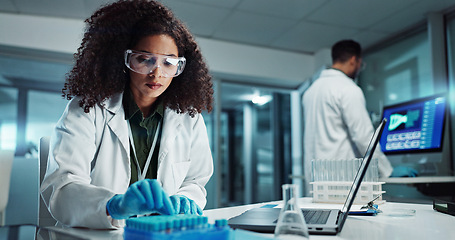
x=368, y=173
x=347, y=169
x=330, y=170
x=375, y=170
x=350, y=169
x=335, y=173
x=319, y=174
x=323, y=167
x=357, y=163
x=341, y=170
x=313, y=170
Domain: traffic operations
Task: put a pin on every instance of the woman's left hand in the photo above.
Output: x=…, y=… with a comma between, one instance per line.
x=185, y=205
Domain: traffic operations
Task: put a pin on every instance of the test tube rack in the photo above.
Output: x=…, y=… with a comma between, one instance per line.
x=175, y=227
x=332, y=179
x=337, y=192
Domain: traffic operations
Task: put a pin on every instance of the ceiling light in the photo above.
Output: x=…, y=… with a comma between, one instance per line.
x=261, y=100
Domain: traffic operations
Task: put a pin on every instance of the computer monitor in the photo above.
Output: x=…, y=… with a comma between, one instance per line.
x=415, y=126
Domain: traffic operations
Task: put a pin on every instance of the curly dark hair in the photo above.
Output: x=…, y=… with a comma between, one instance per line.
x=99, y=70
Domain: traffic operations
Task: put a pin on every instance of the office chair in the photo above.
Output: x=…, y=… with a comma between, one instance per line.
x=23, y=197
x=6, y=164
x=45, y=218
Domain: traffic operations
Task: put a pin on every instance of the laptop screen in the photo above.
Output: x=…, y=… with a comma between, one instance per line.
x=362, y=170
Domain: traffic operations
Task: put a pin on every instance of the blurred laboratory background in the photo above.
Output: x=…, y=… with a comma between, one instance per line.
x=262, y=54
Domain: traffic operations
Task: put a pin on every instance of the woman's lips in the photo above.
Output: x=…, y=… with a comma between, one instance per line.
x=153, y=86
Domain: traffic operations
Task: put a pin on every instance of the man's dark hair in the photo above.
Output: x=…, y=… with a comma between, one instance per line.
x=343, y=50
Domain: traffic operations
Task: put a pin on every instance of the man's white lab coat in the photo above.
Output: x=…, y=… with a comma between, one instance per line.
x=337, y=125
x=89, y=162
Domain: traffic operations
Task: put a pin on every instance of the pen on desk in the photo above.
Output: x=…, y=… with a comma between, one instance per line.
x=370, y=203
x=376, y=198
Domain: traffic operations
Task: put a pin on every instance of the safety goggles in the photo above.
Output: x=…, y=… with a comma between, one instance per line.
x=145, y=63
x=363, y=65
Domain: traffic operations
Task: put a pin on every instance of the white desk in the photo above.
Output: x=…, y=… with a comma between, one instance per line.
x=426, y=224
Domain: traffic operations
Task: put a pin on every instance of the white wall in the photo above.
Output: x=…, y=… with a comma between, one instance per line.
x=41, y=33
x=256, y=64
x=322, y=58
x=226, y=60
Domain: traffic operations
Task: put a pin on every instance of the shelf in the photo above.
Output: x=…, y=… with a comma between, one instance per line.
x=413, y=180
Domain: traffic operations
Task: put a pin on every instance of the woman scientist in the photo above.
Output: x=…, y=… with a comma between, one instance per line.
x=131, y=140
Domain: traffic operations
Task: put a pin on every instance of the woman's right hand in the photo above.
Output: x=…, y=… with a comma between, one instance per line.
x=142, y=197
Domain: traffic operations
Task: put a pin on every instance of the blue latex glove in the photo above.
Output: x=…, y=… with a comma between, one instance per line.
x=185, y=205
x=142, y=197
x=402, y=171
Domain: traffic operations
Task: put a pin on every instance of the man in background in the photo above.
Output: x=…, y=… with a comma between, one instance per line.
x=336, y=121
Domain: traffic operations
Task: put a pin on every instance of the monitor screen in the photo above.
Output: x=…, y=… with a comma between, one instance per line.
x=414, y=126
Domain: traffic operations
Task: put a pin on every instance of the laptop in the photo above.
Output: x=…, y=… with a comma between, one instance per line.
x=319, y=221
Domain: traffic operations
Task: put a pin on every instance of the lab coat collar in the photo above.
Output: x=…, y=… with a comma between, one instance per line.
x=114, y=103
x=172, y=123
x=334, y=72
x=115, y=118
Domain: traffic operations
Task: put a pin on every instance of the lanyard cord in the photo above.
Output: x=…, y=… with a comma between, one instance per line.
x=141, y=175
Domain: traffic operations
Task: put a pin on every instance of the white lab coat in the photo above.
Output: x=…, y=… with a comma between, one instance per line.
x=337, y=125
x=89, y=162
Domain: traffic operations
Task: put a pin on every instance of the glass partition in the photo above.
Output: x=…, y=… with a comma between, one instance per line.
x=30, y=99
x=396, y=73
x=43, y=112
x=450, y=28
x=401, y=71
x=8, y=117
x=254, y=143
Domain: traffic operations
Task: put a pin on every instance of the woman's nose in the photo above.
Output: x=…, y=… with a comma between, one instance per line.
x=156, y=72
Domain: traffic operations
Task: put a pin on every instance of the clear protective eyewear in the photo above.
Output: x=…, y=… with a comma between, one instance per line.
x=363, y=65
x=145, y=63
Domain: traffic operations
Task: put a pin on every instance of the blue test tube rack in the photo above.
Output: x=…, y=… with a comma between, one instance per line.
x=174, y=227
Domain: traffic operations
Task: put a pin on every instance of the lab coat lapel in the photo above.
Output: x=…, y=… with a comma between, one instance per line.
x=116, y=119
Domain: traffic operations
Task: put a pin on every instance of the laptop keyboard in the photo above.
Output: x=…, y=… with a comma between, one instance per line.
x=316, y=217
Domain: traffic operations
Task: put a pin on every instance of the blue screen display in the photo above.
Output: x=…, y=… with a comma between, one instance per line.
x=414, y=126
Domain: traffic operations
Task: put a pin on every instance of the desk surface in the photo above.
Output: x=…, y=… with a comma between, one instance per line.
x=425, y=224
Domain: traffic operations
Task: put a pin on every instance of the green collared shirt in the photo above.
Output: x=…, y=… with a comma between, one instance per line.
x=143, y=131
